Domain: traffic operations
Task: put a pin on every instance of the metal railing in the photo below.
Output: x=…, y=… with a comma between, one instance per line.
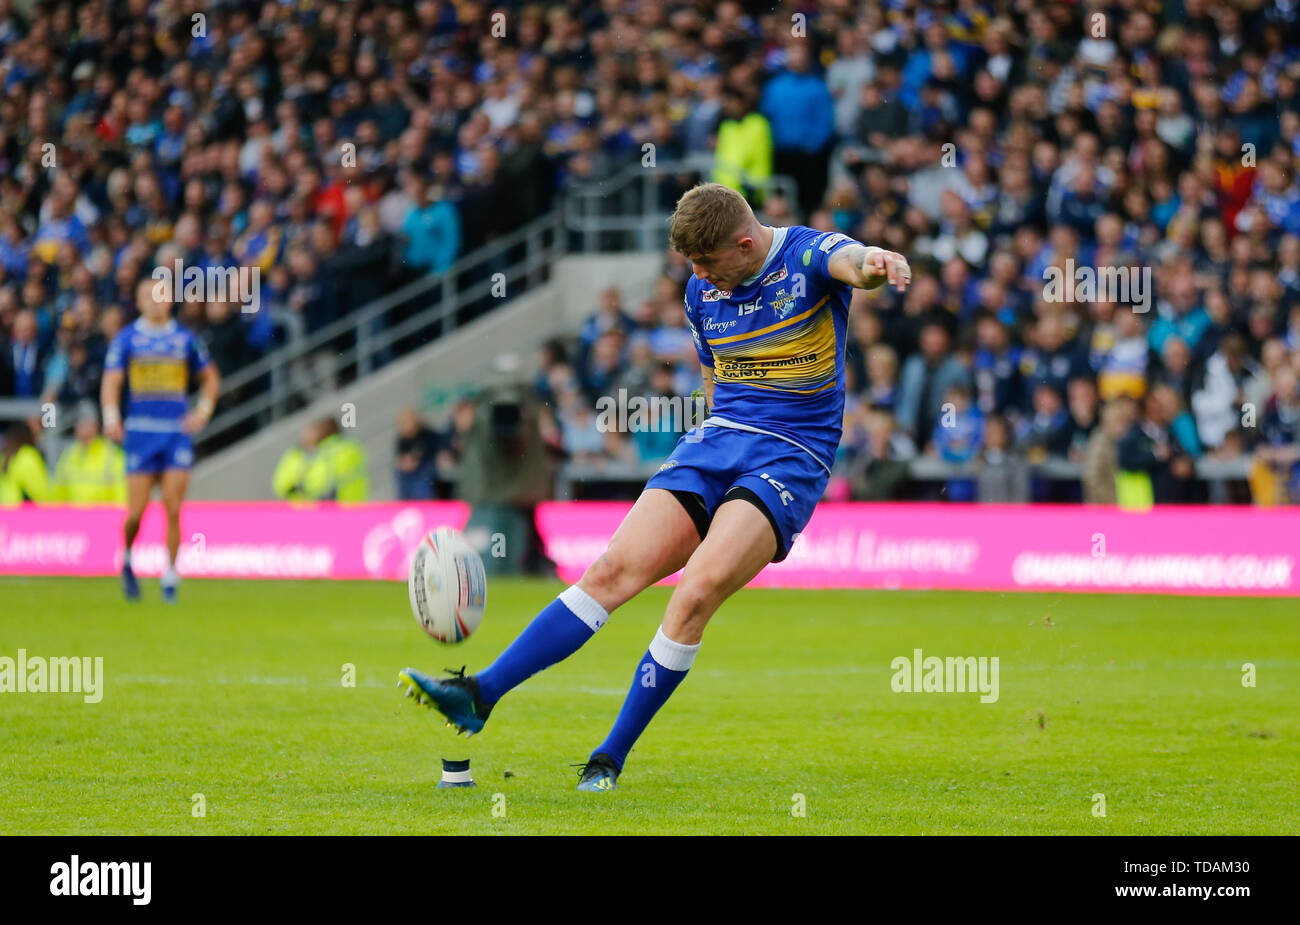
x=19, y=409
x=365, y=340
x=630, y=209
x=626, y=211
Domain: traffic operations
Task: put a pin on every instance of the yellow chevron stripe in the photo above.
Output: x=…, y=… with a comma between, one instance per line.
x=769, y=329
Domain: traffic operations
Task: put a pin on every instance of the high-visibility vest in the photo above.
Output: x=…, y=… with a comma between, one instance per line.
x=1133, y=490
x=25, y=478
x=91, y=474
x=744, y=152
x=288, y=478
x=337, y=471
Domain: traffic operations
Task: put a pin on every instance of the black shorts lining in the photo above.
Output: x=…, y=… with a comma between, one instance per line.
x=695, y=507
x=748, y=494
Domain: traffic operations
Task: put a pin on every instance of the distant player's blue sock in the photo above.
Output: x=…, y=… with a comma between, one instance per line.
x=661, y=669
x=555, y=634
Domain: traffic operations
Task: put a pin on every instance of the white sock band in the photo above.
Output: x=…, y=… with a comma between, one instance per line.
x=672, y=655
x=585, y=607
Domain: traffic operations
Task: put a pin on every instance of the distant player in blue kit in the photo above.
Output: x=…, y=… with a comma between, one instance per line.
x=768, y=308
x=157, y=359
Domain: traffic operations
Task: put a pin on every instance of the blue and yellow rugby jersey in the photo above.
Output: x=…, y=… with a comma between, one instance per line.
x=776, y=344
x=158, y=363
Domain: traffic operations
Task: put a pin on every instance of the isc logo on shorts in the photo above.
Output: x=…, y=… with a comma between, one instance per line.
x=786, y=497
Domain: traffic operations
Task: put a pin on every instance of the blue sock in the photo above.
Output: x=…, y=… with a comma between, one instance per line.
x=661, y=669
x=556, y=633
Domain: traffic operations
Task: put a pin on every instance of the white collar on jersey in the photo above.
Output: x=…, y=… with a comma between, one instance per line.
x=165, y=328
x=778, y=238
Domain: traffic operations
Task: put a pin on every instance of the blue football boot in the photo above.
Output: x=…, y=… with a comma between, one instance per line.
x=457, y=697
x=130, y=587
x=599, y=774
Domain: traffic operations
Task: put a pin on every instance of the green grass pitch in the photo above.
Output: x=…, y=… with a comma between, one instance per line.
x=237, y=694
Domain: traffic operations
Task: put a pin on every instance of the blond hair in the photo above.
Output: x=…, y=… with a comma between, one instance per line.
x=707, y=217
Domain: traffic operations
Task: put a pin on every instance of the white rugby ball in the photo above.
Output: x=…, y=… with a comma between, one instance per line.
x=447, y=586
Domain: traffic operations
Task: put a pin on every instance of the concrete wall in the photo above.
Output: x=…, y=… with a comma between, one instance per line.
x=501, y=345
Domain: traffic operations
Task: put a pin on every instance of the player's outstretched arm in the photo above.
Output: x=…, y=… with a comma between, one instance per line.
x=864, y=267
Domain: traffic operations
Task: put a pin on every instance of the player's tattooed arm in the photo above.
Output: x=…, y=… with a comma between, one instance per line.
x=864, y=267
x=706, y=373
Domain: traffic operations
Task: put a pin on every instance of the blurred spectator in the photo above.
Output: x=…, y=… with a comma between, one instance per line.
x=1217, y=403
x=604, y=365
x=882, y=376
x=1082, y=407
x=291, y=470
x=1279, y=447
x=743, y=154
x=325, y=466
x=1155, y=466
x=432, y=230
x=1046, y=431
x=581, y=439
x=23, y=357
x=663, y=424
x=23, y=473
x=74, y=373
x=997, y=367
x=416, y=457
x=337, y=470
x=609, y=316
x=926, y=378
x=552, y=357
x=1003, y=475
x=1054, y=357
x=1121, y=356
x=958, y=436
x=452, y=441
x=880, y=471
x=93, y=469
x=1101, y=457
x=798, y=105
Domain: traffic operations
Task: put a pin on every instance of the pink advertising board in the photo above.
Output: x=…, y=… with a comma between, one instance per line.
x=227, y=539
x=1172, y=550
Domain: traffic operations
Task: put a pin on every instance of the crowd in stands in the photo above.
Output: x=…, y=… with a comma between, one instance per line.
x=996, y=144
x=989, y=141
x=340, y=148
